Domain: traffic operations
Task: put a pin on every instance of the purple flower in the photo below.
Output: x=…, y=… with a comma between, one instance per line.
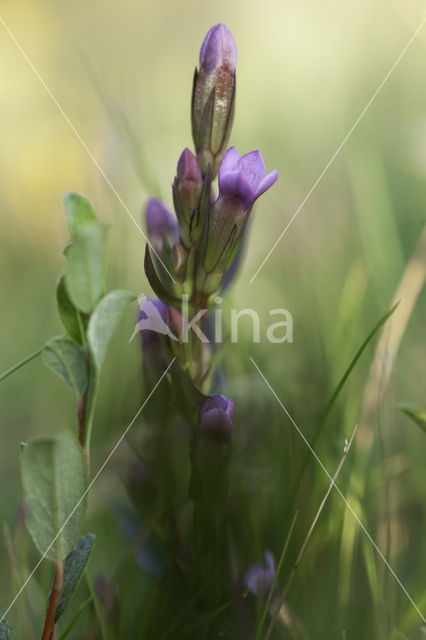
x=162, y=226
x=245, y=177
x=260, y=579
x=152, y=321
x=215, y=419
x=241, y=181
x=218, y=49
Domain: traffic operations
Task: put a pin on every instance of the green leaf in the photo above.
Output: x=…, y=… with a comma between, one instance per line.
x=74, y=568
x=78, y=212
x=69, y=315
x=85, y=266
x=104, y=320
x=67, y=359
x=54, y=479
x=158, y=287
x=413, y=412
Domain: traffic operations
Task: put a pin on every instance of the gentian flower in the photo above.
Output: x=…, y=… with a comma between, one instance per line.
x=215, y=418
x=162, y=226
x=152, y=320
x=260, y=579
x=213, y=97
x=241, y=181
x=244, y=178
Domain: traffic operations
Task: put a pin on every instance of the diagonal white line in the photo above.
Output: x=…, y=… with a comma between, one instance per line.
x=86, y=492
x=83, y=144
x=339, y=148
x=340, y=493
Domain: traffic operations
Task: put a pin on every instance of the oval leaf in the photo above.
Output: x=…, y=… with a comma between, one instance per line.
x=66, y=359
x=78, y=212
x=69, y=315
x=74, y=568
x=54, y=479
x=85, y=266
x=104, y=320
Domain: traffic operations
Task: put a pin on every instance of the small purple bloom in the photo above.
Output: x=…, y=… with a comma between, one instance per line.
x=162, y=225
x=260, y=579
x=218, y=49
x=244, y=177
x=215, y=419
x=241, y=181
x=152, y=320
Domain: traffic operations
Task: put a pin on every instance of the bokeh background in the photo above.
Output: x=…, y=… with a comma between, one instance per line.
x=122, y=72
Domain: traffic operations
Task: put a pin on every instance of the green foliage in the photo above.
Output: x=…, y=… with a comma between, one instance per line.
x=70, y=316
x=67, y=359
x=104, y=320
x=413, y=412
x=85, y=266
x=74, y=568
x=54, y=479
x=78, y=212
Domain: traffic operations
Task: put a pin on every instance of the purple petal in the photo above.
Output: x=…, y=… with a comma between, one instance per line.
x=234, y=184
x=266, y=183
x=187, y=167
x=218, y=49
x=161, y=222
x=253, y=167
x=229, y=163
x=269, y=561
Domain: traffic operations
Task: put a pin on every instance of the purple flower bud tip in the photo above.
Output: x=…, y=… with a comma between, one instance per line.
x=218, y=49
x=161, y=223
x=156, y=312
x=260, y=579
x=216, y=415
x=187, y=168
x=244, y=177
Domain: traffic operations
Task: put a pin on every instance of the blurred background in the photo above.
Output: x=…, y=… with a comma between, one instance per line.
x=122, y=72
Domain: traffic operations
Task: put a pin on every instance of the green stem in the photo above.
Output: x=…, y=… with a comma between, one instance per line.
x=75, y=618
x=98, y=609
x=20, y=364
x=91, y=394
x=277, y=575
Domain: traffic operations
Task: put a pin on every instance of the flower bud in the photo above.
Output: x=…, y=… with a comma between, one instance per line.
x=215, y=418
x=162, y=226
x=187, y=187
x=213, y=97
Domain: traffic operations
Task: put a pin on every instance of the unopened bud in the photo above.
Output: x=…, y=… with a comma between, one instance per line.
x=162, y=226
x=215, y=419
x=188, y=185
x=213, y=97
